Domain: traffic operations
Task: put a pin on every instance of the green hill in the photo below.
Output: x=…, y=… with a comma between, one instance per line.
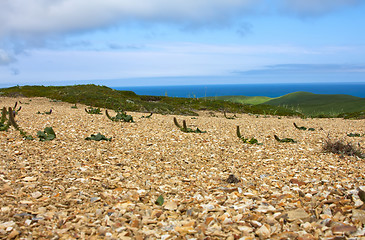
x=320, y=104
x=243, y=99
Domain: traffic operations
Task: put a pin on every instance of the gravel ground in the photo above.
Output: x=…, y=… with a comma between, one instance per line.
x=213, y=185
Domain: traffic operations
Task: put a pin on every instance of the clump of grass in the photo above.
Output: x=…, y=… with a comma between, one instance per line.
x=184, y=127
x=147, y=116
x=92, y=110
x=121, y=116
x=354, y=135
x=246, y=140
x=342, y=147
x=98, y=137
x=284, y=139
x=45, y=112
x=229, y=117
x=303, y=128
x=74, y=106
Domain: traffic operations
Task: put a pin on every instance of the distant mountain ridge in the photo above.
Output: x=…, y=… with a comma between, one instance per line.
x=308, y=103
x=317, y=104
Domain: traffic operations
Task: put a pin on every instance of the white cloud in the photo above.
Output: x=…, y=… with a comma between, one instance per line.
x=49, y=17
x=26, y=24
x=27, y=17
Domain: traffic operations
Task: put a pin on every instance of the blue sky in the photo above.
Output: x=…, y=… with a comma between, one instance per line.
x=166, y=42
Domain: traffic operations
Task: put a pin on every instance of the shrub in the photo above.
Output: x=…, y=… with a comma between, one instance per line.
x=342, y=147
x=93, y=110
x=47, y=135
x=121, y=116
x=98, y=137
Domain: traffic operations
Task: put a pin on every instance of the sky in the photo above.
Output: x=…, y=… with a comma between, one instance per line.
x=181, y=42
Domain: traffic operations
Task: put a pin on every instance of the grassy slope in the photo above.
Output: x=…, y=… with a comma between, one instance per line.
x=320, y=104
x=101, y=96
x=243, y=99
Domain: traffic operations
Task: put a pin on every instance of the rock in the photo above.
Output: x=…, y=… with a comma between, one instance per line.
x=264, y=208
x=343, y=229
x=232, y=179
x=170, y=205
x=5, y=188
x=95, y=199
x=30, y=179
x=263, y=232
x=287, y=235
x=296, y=181
x=184, y=229
x=298, y=214
x=156, y=213
x=36, y=194
x=358, y=215
x=306, y=237
x=135, y=223
x=245, y=229
x=13, y=234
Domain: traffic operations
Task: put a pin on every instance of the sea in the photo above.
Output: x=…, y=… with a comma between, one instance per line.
x=268, y=90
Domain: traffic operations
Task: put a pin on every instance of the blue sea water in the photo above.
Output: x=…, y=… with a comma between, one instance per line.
x=268, y=90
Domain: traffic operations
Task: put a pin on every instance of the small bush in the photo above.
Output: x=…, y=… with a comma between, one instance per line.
x=98, y=137
x=342, y=147
x=121, y=116
x=47, y=135
x=92, y=110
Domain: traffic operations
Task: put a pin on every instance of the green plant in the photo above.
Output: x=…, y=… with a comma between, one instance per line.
x=246, y=140
x=4, y=126
x=184, y=127
x=47, y=135
x=11, y=122
x=341, y=147
x=92, y=110
x=225, y=115
x=98, y=137
x=160, y=200
x=121, y=116
x=303, y=128
x=74, y=106
x=15, y=111
x=47, y=113
x=284, y=139
x=147, y=116
x=354, y=135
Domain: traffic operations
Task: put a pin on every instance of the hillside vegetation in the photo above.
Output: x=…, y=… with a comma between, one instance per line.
x=243, y=99
x=311, y=104
x=104, y=97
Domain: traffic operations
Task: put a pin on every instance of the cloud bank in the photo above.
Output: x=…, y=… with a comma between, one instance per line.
x=27, y=24
x=22, y=18
x=306, y=69
x=30, y=17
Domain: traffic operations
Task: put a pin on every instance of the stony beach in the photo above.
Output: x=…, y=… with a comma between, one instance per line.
x=213, y=185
